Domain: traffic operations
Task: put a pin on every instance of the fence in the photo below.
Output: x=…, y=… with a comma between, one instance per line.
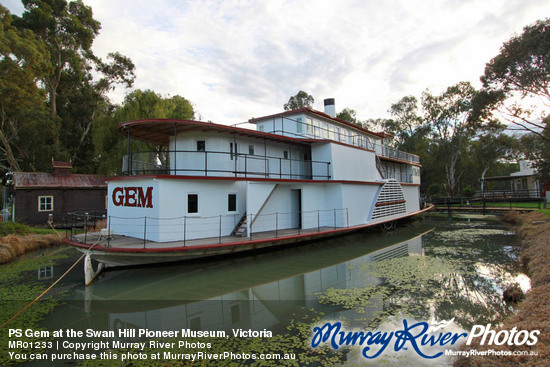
x=217, y=229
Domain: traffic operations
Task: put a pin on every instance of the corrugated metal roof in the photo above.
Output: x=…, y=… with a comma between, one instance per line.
x=40, y=179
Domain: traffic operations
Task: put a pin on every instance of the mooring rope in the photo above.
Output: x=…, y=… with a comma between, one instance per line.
x=51, y=286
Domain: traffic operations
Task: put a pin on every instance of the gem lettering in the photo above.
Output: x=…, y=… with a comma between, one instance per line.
x=133, y=196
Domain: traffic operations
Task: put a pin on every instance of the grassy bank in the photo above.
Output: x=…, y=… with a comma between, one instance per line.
x=533, y=312
x=17, y=239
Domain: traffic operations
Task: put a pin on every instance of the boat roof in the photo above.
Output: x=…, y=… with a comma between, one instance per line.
x=309, y=110
x=159, y=131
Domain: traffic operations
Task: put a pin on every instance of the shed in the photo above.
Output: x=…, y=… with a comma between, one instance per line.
x=35, y=196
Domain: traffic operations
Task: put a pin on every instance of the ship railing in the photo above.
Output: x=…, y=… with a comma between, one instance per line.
x=194, y=230
x=389, y=152
x=224, y=164
x=399, y=176
x=313, y=130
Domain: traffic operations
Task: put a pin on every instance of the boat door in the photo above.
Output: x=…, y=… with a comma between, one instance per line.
x=295, y=208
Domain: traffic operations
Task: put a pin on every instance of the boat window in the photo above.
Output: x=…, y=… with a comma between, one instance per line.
x=45, y=203
x=309, y=125
x=299, y=125
x=285, y=154
x=232, y=202
x=192, y=203
x=201, y=146
x=231, y=151
x=251, y=149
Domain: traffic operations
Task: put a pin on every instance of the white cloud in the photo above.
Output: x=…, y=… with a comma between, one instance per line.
x=235, y=59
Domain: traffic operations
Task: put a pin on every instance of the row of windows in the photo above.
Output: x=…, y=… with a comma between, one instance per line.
x=325, y=130
x=193, y=203
x=45, y=203
x=201, y=147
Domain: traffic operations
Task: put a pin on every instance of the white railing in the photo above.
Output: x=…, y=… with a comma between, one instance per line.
x=339, y=134
x=219, y=228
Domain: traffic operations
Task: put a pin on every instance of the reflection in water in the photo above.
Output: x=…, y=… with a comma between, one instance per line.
x=367, y=279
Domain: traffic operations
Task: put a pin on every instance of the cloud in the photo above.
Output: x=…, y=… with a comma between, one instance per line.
x=235, y=59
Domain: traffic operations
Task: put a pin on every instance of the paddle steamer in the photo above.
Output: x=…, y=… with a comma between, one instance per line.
x=212, y=189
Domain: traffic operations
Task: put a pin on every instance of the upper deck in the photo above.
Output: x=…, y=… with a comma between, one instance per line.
x=298, y=147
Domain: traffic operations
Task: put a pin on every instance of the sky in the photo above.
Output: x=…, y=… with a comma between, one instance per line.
x=237, y=59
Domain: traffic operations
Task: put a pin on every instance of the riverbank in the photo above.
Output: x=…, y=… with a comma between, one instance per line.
x=533, y=313
x=13, y=246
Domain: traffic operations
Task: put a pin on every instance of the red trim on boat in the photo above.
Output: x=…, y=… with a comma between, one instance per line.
x=220, y=178
x=391, y=203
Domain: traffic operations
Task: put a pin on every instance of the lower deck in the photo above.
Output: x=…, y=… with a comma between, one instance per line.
x=120, y=241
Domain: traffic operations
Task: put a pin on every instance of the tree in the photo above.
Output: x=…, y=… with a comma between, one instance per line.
x=487, y=150
x=25, y=141
x=68, y=30
x=75, y=94
x=349, y=115
x=300, y=100
x=449, y=117
x=405, y=121
x=520, y=73
x=536, y=148
x=110, y=145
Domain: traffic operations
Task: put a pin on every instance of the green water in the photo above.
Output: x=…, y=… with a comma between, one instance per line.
x=432, y=270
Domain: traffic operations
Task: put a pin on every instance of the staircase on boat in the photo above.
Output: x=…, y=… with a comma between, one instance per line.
x=241, y=227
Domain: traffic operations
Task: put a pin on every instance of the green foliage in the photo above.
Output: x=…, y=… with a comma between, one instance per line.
x=349, y=115
x=468, y=191
x=300, y=100
x=17, y=289
x=7, y=228
x=519, y=73
x=49, y=95
x=25, y=128
x=110, y=145
x=434, y=189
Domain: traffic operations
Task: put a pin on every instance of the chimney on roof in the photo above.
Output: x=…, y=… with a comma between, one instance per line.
x=330, y=108
x=61, y=168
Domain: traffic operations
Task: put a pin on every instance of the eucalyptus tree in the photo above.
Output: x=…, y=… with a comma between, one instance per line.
x=74, y=93
x=449, y=115
x=518, y=79
x=25, y=141
x=300, y=100
x=405, y=119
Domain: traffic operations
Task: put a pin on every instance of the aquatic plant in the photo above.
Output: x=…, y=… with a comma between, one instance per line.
x=18, y=287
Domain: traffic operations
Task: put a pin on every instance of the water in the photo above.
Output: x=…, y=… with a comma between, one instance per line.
x=432, y=270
